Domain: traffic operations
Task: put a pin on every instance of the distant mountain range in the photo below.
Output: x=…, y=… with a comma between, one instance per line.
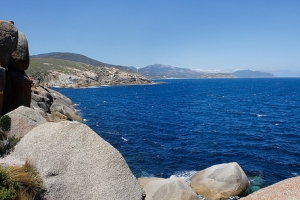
x=158, y=71
x=252, y=74
x=155, y=71
x=167, y=71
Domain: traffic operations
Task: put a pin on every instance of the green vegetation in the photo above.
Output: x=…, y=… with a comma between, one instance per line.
x=5, y=123
x=19, y=182
x=79, y=58
x=42, y=67
x=7, y=145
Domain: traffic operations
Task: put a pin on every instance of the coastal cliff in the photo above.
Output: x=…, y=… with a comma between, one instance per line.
x=60, y=72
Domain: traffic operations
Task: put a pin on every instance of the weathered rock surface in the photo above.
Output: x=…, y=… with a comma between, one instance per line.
x=143, y=181
x=172, y=188
x=11, y=161
x=8, y=41
x=288, y=189
x=220, y=181
x=75, y=163
x=23, y=120
x=20, y=57
x=53, y=105
x=84, y=78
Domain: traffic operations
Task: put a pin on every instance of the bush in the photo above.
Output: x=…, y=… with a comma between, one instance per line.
x=5, y=123
x=8, y=145
x=19, y=182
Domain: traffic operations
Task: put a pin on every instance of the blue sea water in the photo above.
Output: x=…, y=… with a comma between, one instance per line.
x=186, y=125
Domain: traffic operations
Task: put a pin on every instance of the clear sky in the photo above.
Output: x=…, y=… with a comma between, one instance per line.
x=196, y=34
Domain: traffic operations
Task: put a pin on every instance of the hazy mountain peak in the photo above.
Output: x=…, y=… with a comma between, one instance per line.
x=252, y=74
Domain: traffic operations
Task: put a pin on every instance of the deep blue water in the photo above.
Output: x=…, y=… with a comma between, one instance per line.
x=187, y=125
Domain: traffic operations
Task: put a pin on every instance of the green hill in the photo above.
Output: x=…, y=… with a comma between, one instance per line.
x=65, y=73
x=41, y=67
x=78, y=58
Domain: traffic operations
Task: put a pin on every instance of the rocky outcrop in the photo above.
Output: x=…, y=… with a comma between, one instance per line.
x=14, y=60
x=23, y=120
x=220, y=181
x=85, y=78
x=172, y=188
x=74, y=70
x=20, y=57
x=8, y=41
x=53, y=105
x=75, y=163
x=288, y=189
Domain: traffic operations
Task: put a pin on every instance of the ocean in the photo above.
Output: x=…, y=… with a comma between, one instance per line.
x=186, y=125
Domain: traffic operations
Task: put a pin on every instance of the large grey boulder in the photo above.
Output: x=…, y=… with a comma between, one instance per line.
x=20, y=57
x=66, y=110
x=53, y=105
x=23, y=120
x=288, y=189
x=220, y=181
x=172, y=188
x=8, y=41
x=75, y=163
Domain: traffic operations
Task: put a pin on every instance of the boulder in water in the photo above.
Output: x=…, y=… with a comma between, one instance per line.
x=172, y=188
x=220, y=181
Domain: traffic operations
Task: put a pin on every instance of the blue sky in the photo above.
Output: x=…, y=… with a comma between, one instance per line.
x=197, y=34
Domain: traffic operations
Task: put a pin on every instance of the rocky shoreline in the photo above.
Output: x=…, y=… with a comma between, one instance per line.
x=88, y=78
x=74, y=162
x=53, y=72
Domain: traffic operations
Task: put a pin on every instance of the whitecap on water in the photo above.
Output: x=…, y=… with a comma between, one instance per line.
x=184, y=174
x=295, y=174
x=258, y=115
x=125, y=140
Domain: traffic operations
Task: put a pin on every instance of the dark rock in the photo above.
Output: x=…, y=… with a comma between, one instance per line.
x=45, y=106
x=17, y=91
x=20, y=57
x=8, y=41
x=2, y=87
x=46, y=94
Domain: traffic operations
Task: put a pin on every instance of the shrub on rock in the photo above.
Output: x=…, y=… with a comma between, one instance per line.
x=5, y=123
x=19, y=182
